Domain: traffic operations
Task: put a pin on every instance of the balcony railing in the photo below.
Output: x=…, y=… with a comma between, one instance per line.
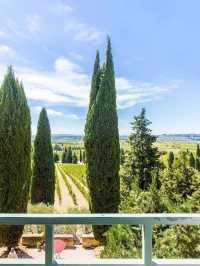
x=146, y=220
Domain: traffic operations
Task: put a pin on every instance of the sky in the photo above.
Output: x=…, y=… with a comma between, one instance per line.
x=156, y=51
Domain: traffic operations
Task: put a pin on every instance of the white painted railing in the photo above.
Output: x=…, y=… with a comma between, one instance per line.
x=146, y=220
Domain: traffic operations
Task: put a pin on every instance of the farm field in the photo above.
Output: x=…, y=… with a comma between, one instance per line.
x=71, y=190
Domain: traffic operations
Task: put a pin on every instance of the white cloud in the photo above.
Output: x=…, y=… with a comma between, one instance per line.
x=51, y=112
x=32, y=23
x=6, y=51
x=72, y=116
x=68, y=85
x=83, y=32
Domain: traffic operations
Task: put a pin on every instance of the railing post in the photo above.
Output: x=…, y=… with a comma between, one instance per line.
x=49, y=250
x=147, y=244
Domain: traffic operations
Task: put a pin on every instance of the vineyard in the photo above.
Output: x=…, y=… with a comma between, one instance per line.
x=71, y=187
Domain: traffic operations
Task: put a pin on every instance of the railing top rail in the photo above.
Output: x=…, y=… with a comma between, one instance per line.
x=148, y=218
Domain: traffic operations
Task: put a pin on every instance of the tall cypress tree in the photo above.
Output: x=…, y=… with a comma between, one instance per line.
x=102, y=144
x=43, y=180
x=15, y=155
x=192, y=160
x=170, y=159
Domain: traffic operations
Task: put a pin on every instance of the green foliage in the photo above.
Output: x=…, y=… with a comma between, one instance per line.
x=122, y=156
x=121, y=242
x=74, y=158
x=192, y=160
x=102, y=142
x=15, y=155
x=143, y=157
x=80, y=156
x=170, y=159
x=55, y=157
x=43, y=180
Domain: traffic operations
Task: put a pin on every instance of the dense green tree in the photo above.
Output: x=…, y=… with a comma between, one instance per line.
x=143, y=156
x=80, y=156
x=102, y=144
x=55, y=157
x=74, y=158
x=170, y=159
x=69, y=155
x=197, y=164
x=64, y=157
x=192, y=160
x=43, y=180
x=15, y=155
x=84, y=157
x=198, y=151
x=122, y=156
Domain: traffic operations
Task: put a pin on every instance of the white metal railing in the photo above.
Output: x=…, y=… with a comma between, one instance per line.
x=146, y=220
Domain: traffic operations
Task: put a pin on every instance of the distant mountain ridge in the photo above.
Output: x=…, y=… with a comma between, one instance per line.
x=183, y=137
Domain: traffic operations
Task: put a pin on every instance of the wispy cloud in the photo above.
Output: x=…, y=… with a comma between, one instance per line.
x=6, y=51
x=50, y=111
x=73, y=116
x=83, y=32
x=33, y=23
x=68, y=84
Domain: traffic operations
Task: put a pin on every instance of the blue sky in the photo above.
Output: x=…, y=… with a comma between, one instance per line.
x=156, y=48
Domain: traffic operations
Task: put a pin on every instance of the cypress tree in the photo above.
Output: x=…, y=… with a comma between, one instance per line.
x=15, y=155
x=55, y=157
x=74, y=158
x=197, y=164
x=192, y=160
x=170, y=159
x=84, y=159
x=96, y=78
x=69, y=155
x=43, y=180
x=198, y=151
x=80, y=156
x=102, y=144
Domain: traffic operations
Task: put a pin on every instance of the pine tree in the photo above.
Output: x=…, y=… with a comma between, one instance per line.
x=192, y=160
x=143, y=157
x=170, y=159
x=102, y=144
x=15, y=155
x=43, y=180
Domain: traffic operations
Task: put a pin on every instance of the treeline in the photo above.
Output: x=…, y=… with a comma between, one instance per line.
x=149, y=185
x=18, y=182
x=69, y=155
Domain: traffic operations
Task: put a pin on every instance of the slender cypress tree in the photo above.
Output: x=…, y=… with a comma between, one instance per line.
x=43, y=180
x=198, y=151
x=102, y=144
x=80, y=156
x=192, y=160
x=170, y=159
x=15, y=155
x=74, y=158
x=69, y=155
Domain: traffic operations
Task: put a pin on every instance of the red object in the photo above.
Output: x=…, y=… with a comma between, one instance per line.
x=59, y=246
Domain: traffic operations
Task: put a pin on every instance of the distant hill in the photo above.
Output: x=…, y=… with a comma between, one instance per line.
x=183, y=137
x=164, y=137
